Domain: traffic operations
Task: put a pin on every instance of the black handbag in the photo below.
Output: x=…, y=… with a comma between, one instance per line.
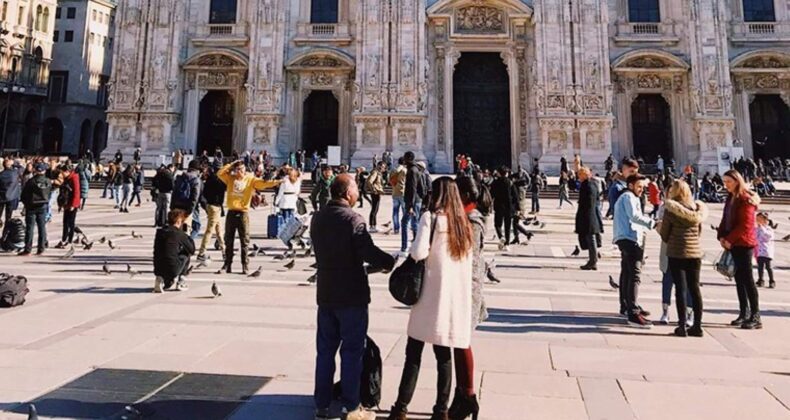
x=406, y=281
x=301, y=206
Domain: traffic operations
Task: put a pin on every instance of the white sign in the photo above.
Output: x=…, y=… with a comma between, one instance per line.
x=333, y=155
x=726, y=155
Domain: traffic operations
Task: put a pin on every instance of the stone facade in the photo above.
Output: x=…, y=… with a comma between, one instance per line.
x=577, y=71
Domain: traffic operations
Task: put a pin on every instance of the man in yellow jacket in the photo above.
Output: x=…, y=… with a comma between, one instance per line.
x=241, y=187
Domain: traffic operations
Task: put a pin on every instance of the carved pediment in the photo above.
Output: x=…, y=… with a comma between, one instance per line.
x=319, y=61
x=766, y=63
x=322, y=58
x=216, y=60
x=650, y=60
x=760, y=61
x=479, y=20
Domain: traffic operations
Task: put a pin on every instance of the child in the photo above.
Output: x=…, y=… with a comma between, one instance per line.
x=172, y=251
x=765, y=249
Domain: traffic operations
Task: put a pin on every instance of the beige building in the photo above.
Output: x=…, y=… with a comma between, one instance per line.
x=506, y=81
x=79, y=75
x=26, y=28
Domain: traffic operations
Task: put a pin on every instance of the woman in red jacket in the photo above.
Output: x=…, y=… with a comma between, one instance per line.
x=737, y=234
x=69, y=201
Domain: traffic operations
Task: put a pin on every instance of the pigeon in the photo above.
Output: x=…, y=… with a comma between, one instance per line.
x=215, y=290
x=309, y=252
x=542, y=225
x=105, y=268
x=713, y=227
x=78, y=231
x=536, y=222
x=290, y=264
x=386, y=225
x=255, y=247
x=491, y=276
x=103, y=239
x=69, y=253
x=388, y=231
x=257, y=273
x=313, y=278
x=131, y=272
x=773, y=224
x=281, y=256
x=87, y=246
x=786, y=238
x=32, y=413
x=613, y=284
x=529, y=236
x=314, y=265
x=576, y=251
x=110, y=244
x=136, y=236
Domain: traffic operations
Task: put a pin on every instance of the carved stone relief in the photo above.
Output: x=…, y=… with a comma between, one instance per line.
x=407, y=137
x=479, y=20
x=594, y=140
x=558, y=141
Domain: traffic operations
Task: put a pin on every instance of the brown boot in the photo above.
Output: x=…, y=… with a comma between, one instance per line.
x=442, y=415
x=397, y=414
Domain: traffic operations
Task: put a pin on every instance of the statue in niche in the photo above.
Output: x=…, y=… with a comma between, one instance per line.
x=408, y=68
x=592, y=73
x=373, y=70
x=554, y=72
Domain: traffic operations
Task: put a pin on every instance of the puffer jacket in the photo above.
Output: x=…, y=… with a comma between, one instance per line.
x=681, y=228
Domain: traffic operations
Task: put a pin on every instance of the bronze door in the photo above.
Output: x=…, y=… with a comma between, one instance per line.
x=481, y=109
x=770, y=121
x=320, y=123
x=652, y=128
x=215, y=128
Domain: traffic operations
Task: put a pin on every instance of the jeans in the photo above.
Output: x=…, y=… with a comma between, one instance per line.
x=502, y=217
x=536, y=202
x=35, y=218
x=748, y=297
x=162, y=207
x=666, y=290
x=53, y=201
x=564, y=197
x=183, y=267
x=518, y=228
x=7, y=210
x=631, y=257
x=213, y=225
x=345, y=329
x=237, y=221
x=127, y=196
x=397, y=206
x=111, y=187
x=195, y=223
x=69, y=223
x=409, y=218
x=764, y=263
x=375, y=199
x=118, y=197
x=685, y=273
x=136, y=193
x=411, y=370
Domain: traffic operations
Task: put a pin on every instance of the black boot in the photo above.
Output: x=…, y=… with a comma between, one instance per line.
x=753, y=323
x=467, y=405
x=459, y=395
x=397, y=413
x=742, y=317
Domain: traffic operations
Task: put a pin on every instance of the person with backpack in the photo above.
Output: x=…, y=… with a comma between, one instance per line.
x=127, y=178
x=413, y=193
x=172, y=251
x=375, y=187
x=186, y=193
x=69, y=202
x=35, y=197
x=162, y=184
x=320, y=195
x=108, y=181
x=9, y=190
x=342, y=246
x=241, y=186
x=138, y=183
x=212, y=197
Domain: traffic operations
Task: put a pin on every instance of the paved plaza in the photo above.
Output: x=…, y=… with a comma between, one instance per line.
x=553, y=347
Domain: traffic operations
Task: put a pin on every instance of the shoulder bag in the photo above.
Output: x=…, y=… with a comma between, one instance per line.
x=405, y=282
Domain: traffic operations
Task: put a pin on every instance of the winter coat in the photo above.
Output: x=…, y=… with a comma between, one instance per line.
x=765, y=242
x=10, y=187
x=74, y=183
x=85, y=178
x=288, y=194
x=681, y=228
x=479, y=309
x=375, y=183
x=588, y=213
x=320, y=195
x=169, y=243
x=501, y=193
x=163, y=181
x=738, y=224
x=213, y=191
x=442, y=316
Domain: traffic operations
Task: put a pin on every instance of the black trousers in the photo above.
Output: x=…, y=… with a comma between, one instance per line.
x=183, y=266
x=69, y=223
x=237, y=221
x=631, y=256
x=748, y=298
x=518, y=228
x=764, y=264
x=375, y=199
x=592, y=248
x=502, y=217
x=411, y=370
x=33, y=219
x=685, y=275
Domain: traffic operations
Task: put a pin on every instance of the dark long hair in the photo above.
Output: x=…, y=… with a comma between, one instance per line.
x=472, y=191
x=445, y=199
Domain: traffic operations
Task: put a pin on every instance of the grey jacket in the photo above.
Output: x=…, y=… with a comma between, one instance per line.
x=479, y=309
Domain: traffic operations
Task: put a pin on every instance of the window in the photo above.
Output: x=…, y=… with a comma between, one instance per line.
x=758, y=11
x=56, y=36
x=223, y=11
x=109, y=42
x=4, y=12
x=57, y=13
x=58, y=86
x=21, y=15
x=90, y=38
x=68, y=36
x=112, y=18
x=323, y=11
x=71, y=13
x=45, y=22
x=39, y=16
x=643, y=11
x=102, y=93
x=93, y=15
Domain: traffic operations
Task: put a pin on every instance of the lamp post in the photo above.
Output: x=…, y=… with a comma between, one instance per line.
x=9, y=89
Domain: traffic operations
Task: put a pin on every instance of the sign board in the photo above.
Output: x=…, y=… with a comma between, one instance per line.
x=333, y=155
x=186, y=159
x=163, y=160
x=725, y=155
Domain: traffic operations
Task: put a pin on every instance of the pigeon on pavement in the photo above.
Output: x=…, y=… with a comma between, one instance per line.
x=87, y=246
x=309, y=252
x=215, y=290
x=576, y=251
x=103, y=239
x=313, y=278
x=613, y=284
x=256, y=273
x=105, y=268
x=786, y=238
x=131, y=272
x=110, y=244
x=290, y=264
x=136, y=236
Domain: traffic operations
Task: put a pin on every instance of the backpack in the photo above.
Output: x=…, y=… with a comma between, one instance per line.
x=66, y=194
x=370, y=384
x=41, y=190
x=13, y=235
x=13, y=290
x=182, y=190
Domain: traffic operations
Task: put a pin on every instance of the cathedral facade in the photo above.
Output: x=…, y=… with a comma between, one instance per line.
x=504, y=81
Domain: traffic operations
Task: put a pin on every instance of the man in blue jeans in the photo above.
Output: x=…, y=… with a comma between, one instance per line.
x=398, y=183
x=342, y=246
x=413, y=192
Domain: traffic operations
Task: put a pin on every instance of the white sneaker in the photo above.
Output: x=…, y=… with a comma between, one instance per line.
x=373, y=229
x=181, y=286
x=664, y=318
x=506, y=248
x=690, y=318
x=158, y=284
x=359, y=414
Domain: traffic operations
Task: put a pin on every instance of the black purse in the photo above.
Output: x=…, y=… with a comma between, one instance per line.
x=406, y=281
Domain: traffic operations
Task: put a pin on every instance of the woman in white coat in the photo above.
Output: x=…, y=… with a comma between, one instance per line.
x=288, y=194
x=442, y=316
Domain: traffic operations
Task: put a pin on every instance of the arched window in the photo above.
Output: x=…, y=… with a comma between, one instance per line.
x=222, y=11
x=39, y=13
x=643, y=11
x=758, y=11
x=45, y=20
x=323, y=11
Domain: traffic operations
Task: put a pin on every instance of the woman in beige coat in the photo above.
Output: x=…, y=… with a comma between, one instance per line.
x=442, y=317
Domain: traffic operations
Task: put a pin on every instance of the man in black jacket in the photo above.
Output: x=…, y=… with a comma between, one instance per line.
x=413, y=193
x=589, y=223
x=342, y=246
x=9, y=190
x=187, y=198
x=501, y=192
x=162, y=184
x=35, y=197
x=172, y=250
x=211, y=200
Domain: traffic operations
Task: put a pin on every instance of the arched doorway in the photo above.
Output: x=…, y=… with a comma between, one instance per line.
x=770, y=121
x=215, y=128
x=652, y=127
x=53, y=136
x=320, y=122
x=481, y=109
x=98, y=138
x=85, y=137
x=30, y=132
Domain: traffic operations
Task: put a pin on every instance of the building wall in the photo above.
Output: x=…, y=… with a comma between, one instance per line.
x=575, y=69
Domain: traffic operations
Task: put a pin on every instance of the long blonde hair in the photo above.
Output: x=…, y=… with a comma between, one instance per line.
x=681, y=192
